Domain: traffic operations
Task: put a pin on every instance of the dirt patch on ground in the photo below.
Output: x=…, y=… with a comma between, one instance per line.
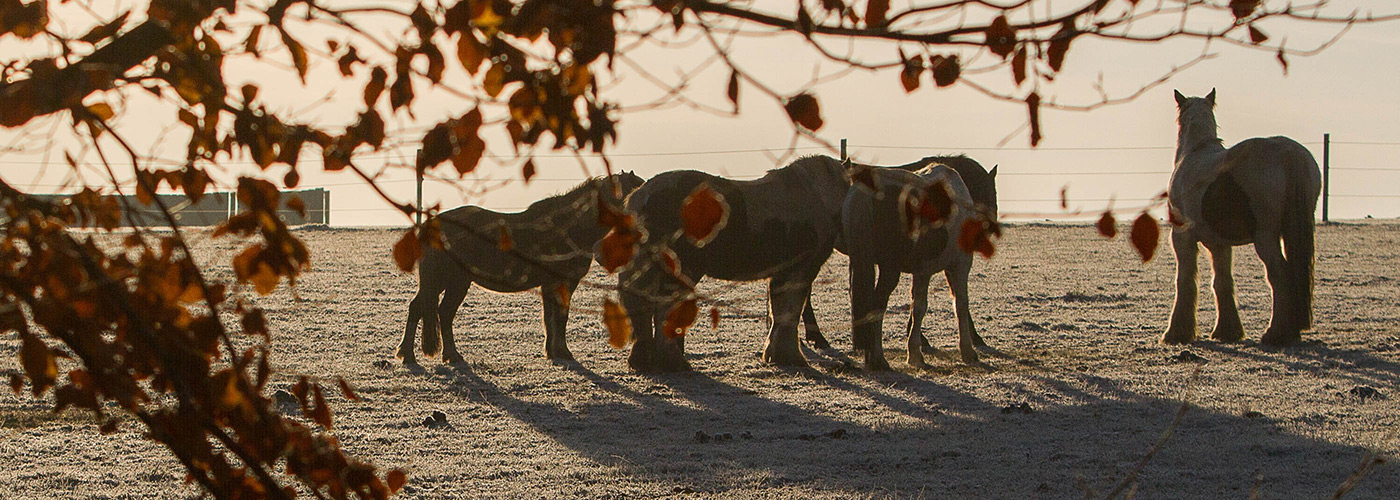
x=1073, y=393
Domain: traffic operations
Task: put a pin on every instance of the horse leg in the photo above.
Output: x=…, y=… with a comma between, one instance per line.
x=916, y=320
x=1182, y=328
x=787, y=294
x=967, y=332
x=556, y=316
x=447, y=311
x=884, y=286
x=1283, y=326
x=862, y=276
x=415, y=314
x=1298, y=243
x=1227, y=320
x=809, y=323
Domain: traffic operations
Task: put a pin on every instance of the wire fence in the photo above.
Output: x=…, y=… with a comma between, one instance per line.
x=1349, y=187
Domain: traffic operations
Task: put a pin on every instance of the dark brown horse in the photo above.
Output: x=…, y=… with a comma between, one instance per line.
x=552, y=241
x=780, y=227
x=981, y=187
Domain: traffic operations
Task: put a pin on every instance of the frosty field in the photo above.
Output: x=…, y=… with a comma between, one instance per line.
x=1073, y=393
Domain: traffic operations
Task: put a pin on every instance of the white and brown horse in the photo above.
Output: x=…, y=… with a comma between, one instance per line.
x=1261, y=191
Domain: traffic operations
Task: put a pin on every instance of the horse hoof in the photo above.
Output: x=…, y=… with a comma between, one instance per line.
x=819, y=343
x=1230, y=336
x=1280, y=337
x=561, y=355
x=1178, y=337
x=453, y=359
x=877, y=364
x=969, y=356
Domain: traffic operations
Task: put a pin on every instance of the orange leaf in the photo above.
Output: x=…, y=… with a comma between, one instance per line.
x=618, y=324
x=1064, y=198
x=407, y=252
x=346, y=391
x=1018, y=66
x=803, y=110
x=396, y=479
x=321, y=414
x=528, y=171
x=564, y=295
x=945, y=69
x=617, y=248
x=1033, y=106
x=375, y=87
x=733, y=91
x=38, y=363
x=265, y=279
x=1108, y=226
x=503, y=241
x=913, y=69
x=1257, y=36
x=1144, y=236
x=974, y=237
x=680, y=318
x=714, y=318
x=704, y=213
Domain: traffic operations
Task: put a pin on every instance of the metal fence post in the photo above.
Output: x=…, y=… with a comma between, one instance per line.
x=1326, y=171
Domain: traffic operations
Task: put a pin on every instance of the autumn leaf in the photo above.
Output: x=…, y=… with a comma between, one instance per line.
x=946, y=69
x=345, y=389
x=321, y=412
x=1001, y=39
x=528, y=170
x=1018, y=66
x=1059, y=45
x=875, y=12
x=619, y=326
x=974, y=237
x=733, y=91
x=616, y=248
x=503, y=241
x=679, y=319
x=1243, y=8
x=407, y=252
x=38, y=362
x=1033, y=107
x=375, y=87
x=913, y=69
x=396, y=480
x=264, y=279
x=704, y=213
x=470, y=52
x=935, y=204
x=1064, y=198
x=803, y=110
x=714, y=318
x=1144, y=236
x=1108, y=226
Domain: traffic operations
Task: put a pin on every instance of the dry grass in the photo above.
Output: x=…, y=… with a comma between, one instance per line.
x=1074, y=395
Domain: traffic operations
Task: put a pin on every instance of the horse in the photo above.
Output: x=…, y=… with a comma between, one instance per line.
x=1263, y=191
x=880, y=233
x=981, y=187
x=551, y=248
x=780, y=227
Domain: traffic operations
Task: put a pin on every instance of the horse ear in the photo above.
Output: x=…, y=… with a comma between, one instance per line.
x=1211, y=96
x=993, y=173
x=1180, y=99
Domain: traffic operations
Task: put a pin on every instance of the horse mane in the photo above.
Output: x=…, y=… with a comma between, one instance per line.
x=566, y=197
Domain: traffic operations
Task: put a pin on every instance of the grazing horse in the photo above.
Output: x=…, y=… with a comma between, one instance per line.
x=1262, y=191
x=551, y=249
x=879, y=232
x=780, y=227
x=981, y=186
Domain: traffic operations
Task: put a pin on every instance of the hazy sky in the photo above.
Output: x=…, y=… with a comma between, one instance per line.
x=1122, y=151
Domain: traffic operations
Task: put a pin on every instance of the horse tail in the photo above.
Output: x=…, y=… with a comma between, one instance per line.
x=427, y=304
x=1299, y=225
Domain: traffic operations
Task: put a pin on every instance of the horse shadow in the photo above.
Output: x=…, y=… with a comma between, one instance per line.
x=788, y=431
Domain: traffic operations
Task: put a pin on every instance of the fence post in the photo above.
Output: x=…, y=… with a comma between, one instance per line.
x=418, y=216
x=843, y=150
x=1326, y=171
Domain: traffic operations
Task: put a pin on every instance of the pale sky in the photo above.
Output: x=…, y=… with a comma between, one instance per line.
x=1122, y=151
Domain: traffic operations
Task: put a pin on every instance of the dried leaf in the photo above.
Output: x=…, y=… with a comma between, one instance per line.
x=1144, y=236
x=733, y=91
x=619, y=326
x=38, y=362
x=397, y=478
x=407, y=252
x=975, y=237
x=946, y=69
x=913, y=69
x=470, y=52
x=528, y=171
x=298, y=52
x=345, y=389
x=265, y=279
x=679, y=319
x=1018, y=65
x=1064, y=198
x=321, y=413
x=1257, y=36
x=503, y=241
x=875, y=11
x=714, y=318
x=375, y=87
x=1108, y=226
x=1283, y=61
x=1243, y=8
x=1033, y=107
x=1059, y=45
x=617, y=247
x=803, y=110
x=1001, y=39
x=704, y=213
